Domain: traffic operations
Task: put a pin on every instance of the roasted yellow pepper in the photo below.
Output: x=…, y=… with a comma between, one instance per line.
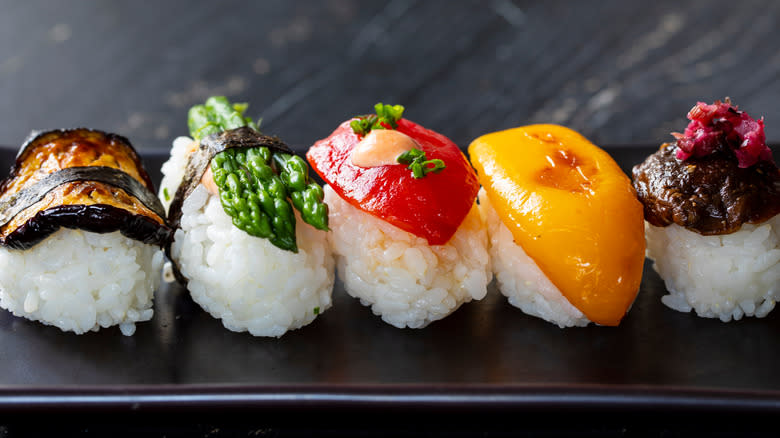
x=572, y=209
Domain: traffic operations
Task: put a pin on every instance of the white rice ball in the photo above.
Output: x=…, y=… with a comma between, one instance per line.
x=726, y=276
x=246, y=281
x=80, y=281
x=173, y=170
x=406, y=281
x=521, y=280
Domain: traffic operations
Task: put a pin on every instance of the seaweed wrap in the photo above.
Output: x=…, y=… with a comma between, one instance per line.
x=250, y=226
x=81, y=232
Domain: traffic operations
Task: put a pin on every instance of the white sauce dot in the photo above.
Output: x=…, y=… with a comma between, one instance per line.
x=381, y=147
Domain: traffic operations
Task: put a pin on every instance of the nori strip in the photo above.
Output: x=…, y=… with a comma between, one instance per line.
x=199, y=161
x=28, y=196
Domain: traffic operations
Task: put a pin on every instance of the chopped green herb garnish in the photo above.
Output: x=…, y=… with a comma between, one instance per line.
x=316, y=310
x=166, y=194
x=419, y=166
x=386, y=117
x=257, y=185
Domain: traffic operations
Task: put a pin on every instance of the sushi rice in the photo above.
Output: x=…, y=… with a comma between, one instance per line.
x=521, y=280
x=81, y=281
x=406, y=281
x=722, y=276
x=247, y=282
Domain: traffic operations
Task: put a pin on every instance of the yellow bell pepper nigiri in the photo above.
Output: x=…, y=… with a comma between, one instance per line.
x=572, y=210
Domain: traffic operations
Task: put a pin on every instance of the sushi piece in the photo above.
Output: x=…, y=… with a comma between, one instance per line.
x=711, y=202
x=565, y=228
x=250, y=241
x=81, y=234
x=405, y=228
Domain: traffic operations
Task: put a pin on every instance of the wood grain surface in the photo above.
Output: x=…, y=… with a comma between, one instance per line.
x=618, y=71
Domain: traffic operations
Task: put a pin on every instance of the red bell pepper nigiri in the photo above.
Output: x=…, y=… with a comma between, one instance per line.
x=411, y=177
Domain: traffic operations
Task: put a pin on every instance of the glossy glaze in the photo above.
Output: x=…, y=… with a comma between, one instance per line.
x=88, y=204
x=573, y=211
x=709, y=195
x=431, y=207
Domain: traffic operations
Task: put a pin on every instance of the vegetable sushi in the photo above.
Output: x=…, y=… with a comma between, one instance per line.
x=405, y=229
x=565, y=228
x=82, y=232
x=250, y=241
x=711, y=202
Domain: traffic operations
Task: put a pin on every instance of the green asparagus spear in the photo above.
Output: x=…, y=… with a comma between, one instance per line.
x=255, y=184
x=306, y=195
x=217, y=115
x=225, y=114
x=201, y=123
x=254, y=197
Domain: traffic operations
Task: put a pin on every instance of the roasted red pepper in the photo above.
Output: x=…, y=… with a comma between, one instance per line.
x=432, y=207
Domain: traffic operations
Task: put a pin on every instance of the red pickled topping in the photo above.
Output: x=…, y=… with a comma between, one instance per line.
x=721, y=126
x=432, y=207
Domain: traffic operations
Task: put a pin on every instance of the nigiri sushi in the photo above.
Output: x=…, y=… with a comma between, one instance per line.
x=711, y=202
x=565, y=228
x=250, y=241
x=405, y=229
x=81, y=233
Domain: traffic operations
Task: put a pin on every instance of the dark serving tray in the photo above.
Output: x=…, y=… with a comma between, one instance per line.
x=488, y=356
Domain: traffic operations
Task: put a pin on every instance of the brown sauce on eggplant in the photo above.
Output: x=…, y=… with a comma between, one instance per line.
x=79, y=178
x=709, y=195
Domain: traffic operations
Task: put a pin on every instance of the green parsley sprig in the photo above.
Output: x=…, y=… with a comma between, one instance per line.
x=419, y=166
x=386, y=115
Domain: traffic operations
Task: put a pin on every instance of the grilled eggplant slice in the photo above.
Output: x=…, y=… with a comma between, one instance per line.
x=79, y=178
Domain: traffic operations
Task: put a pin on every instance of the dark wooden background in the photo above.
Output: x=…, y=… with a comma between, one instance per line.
x=620, y=72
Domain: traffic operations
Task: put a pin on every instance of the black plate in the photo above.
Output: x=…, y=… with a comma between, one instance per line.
x=488, y=355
